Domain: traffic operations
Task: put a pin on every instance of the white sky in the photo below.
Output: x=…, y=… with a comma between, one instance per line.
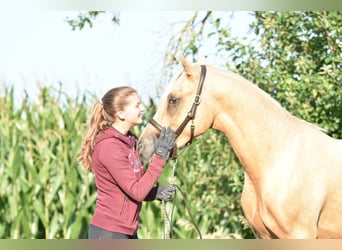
x=40, y=47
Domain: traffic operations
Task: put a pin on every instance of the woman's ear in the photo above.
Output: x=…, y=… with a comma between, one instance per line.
x=120, y=115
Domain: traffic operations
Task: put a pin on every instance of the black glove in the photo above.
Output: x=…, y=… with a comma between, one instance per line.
x=165, y=142
x=164, y=193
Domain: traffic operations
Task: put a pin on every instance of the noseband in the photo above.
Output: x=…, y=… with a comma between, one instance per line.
x=190, y=116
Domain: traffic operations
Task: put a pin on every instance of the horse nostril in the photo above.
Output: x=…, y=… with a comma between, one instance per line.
x=146, y=148
x=141, y=146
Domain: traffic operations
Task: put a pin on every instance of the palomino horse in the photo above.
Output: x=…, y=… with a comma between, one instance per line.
x=293, y=171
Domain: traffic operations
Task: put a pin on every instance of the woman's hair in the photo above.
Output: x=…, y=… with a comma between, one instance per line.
x=102, y=117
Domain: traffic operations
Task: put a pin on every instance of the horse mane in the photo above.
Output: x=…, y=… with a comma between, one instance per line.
x=267, y=96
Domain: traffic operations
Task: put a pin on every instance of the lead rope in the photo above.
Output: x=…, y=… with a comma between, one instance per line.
x=167, y=231
x=167, y=221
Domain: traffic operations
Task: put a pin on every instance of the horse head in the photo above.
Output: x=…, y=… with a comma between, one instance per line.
x=182, y=108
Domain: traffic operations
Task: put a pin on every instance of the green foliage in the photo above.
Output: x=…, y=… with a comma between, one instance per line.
x=211, y=177
x=44, y=193
x=296, y=57
x=83, y=19
x=87, y=18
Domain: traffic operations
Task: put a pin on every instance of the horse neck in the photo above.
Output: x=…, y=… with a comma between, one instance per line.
x=254, y=123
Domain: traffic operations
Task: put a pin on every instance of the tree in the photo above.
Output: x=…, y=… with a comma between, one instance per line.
x=86, y=18
x=298, y=61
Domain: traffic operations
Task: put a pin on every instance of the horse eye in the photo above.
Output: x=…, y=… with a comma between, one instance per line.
x=173, y=101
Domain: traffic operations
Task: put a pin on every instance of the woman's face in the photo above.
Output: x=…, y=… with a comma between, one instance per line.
x=133, y=112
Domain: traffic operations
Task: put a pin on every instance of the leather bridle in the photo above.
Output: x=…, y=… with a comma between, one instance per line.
x=190, y=116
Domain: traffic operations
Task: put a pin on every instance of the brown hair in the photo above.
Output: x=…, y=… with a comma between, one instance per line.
x=102, y=116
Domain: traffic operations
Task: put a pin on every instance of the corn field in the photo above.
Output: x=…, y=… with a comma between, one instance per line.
x=46, y=194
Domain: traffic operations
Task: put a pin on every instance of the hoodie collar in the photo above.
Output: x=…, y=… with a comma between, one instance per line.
x=110, y=132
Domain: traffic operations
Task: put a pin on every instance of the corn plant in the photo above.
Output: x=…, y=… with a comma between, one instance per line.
x=44, y=193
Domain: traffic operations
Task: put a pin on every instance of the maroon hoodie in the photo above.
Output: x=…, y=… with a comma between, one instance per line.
x=121, y=181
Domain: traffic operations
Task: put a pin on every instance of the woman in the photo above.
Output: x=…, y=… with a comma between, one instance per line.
x=109, y=150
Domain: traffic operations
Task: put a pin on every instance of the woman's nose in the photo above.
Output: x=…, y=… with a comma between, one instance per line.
x=142, y=108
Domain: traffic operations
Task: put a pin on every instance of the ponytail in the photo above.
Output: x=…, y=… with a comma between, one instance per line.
x=98, y=123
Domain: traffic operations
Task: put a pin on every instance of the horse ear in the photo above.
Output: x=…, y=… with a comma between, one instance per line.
x=187, y=66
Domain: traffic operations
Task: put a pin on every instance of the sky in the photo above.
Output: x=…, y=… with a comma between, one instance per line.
x=40, y=48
